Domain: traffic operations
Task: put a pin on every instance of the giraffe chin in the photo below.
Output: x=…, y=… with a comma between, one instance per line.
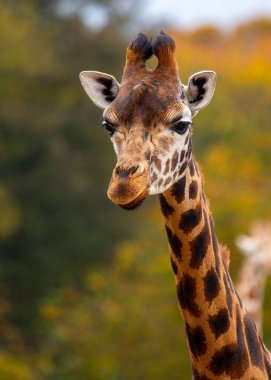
x=132, y=204
x=136, y=202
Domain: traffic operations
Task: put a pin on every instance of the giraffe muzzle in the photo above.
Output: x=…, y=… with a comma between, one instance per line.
x=128, y=186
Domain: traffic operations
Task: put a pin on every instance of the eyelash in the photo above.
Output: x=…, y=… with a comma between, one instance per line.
x=181, y=127
x=111, y=130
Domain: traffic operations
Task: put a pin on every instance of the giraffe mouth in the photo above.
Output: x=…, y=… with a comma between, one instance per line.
x=135, y=203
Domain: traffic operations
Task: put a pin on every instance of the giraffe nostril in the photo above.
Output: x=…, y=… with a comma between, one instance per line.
x=126, y=172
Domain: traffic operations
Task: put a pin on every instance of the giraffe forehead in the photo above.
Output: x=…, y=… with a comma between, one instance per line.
x=144, y=104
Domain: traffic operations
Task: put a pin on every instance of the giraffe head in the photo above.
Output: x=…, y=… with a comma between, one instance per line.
x=148, y=117
x=257, y=246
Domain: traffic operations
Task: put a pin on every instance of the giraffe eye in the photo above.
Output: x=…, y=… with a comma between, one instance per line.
x=109, y=127
x=181, y=127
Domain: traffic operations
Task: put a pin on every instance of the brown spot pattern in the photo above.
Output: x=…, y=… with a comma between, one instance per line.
x=211, y=285
x=253, y=342
x=190, y=219
x=157, y=162
x=196, y=340
x=191, y=168
x=154, y=177
x=220, y=322
x=178, y=190
x=167, y=167
x=193, y=190
x=175, y=243
x=174, y=161
x=231, y=359
x=182, y=155
x=160, y=182
x=167, y=181
x=187, y=292
x=165, y=206
x=199, y=246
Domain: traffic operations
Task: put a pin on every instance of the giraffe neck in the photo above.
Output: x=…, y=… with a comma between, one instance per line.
x=222, y=338
x=251, y=288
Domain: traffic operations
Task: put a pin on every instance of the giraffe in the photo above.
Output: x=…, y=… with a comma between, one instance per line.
x=148, y=117
x=255, y=268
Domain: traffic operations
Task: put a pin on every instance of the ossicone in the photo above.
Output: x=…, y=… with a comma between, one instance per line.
x=164, y=47
x=137, y=53
x=140, y=47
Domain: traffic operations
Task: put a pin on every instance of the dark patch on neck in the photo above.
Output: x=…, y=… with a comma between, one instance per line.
x=196, y=340
x=220, y=322
x=165, y=206
x=227, y=361
x=175, y=243
x=190, y=219
x=232, y=359
x=253, y=342
x=187, y=292
x=178, y=190
x=199, y=246
x=211, y=285
x=193, y=190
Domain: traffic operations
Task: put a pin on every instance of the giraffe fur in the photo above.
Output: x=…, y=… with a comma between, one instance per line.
x=148, y=116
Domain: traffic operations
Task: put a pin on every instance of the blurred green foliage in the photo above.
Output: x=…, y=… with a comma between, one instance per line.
x=55, y=165
x=86, y=290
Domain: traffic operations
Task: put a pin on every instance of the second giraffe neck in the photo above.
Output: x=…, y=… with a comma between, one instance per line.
x=251, y=287
x=222, y=339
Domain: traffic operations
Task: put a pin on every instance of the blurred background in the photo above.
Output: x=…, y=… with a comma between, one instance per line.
x=86, y=289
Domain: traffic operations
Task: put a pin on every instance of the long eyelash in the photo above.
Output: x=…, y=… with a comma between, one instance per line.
x=180, y=120
x=104, y=123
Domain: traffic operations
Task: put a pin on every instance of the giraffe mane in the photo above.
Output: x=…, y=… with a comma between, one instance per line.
x=225, y=252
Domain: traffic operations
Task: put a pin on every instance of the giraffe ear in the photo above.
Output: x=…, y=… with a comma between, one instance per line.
x=200, y=89
x=100, y=87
